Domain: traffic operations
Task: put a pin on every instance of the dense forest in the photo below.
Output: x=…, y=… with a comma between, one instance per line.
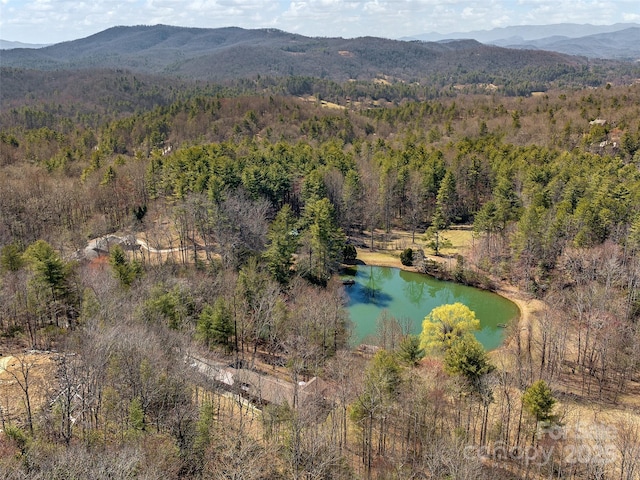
x=226, y=54
x=156, y=233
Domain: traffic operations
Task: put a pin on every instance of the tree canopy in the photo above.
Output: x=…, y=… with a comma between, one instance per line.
x=538, y=401
x=445, y=324
x=466, y=357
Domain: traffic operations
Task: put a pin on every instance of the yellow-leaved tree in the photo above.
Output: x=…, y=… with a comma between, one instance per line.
x=445, y=324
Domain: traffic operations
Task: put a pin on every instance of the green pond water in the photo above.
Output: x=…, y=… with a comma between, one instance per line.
x=410, y=296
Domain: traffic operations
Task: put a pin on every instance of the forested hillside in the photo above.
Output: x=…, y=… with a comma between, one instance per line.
x=622, y=44
x=227, y=54
x=159, y=235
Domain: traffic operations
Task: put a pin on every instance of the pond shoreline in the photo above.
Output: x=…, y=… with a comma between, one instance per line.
x=527, y=306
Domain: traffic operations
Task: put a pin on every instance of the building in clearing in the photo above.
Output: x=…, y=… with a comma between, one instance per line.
x=262, y=388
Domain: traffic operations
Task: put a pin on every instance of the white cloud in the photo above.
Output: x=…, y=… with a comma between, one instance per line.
x=43, y=21
x=596, y=12
x=631, y=17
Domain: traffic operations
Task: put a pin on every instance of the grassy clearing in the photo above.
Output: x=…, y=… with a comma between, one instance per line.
x=389, y=245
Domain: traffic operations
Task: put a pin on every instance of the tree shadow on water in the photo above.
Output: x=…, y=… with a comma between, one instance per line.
x=368, y=295
x=368, y=286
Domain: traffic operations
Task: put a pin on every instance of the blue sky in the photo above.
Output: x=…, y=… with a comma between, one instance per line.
x=50, y=21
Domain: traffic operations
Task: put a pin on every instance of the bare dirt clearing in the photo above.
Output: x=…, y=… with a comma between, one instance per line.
x=31, y=369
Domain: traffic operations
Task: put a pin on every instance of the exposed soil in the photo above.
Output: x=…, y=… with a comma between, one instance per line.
x=40, y=367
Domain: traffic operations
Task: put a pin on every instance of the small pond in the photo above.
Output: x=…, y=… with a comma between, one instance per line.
x=410, y=296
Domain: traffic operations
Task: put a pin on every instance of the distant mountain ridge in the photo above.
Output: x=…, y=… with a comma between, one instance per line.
x=619, y=41
x=623, y=45
x=525, y=32
x=8, y=45
x=231, y=53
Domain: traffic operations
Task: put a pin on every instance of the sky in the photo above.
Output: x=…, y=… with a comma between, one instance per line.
x=52, y=21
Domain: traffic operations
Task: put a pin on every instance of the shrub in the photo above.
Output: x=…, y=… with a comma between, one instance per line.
x=349, y=254
x=17, y=436
x=406, y=257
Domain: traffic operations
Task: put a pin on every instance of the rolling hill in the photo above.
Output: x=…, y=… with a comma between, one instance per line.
x=525, y=32
x=231, y=53
x=8, y=45
x=622, y=44
x=620, y=41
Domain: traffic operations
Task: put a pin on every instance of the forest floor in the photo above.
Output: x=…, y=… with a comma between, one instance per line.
x=386, y=252
x=38, y=367
x=589, y=422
